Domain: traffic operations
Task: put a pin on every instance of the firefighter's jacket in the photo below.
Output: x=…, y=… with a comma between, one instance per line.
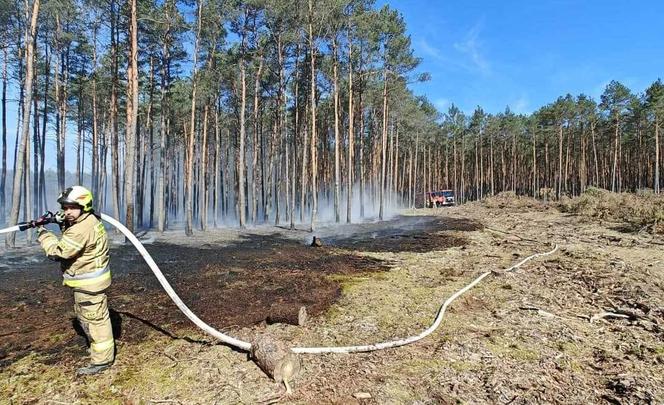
x=82, y=252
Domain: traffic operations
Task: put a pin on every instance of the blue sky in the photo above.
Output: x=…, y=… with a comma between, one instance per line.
x=527, y=53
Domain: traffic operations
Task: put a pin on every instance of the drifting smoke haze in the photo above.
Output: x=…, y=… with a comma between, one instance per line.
x=227, y=218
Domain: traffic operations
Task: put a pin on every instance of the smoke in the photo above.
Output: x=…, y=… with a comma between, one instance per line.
x=50, y=197
x=371, y=201
x=365, y=206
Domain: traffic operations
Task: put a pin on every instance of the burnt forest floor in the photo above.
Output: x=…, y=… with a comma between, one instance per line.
x=585, y=325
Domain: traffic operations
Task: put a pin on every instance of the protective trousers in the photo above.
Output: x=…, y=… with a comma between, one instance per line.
x=92, y=313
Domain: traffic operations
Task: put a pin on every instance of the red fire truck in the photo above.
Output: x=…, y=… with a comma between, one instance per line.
x=442, y=198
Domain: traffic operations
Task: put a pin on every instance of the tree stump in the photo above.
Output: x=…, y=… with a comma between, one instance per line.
x=280, y=314
x=316, y=242
x=275, y=359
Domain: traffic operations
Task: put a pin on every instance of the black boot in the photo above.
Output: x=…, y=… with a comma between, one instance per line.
x=93, y=369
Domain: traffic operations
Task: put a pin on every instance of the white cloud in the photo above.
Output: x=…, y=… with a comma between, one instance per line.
x=442, y=104
x=429, y=50
x=471, y=47
x=521, y=105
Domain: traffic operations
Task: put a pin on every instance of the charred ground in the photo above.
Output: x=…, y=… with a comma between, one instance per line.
x=540, y=334
x=234, y=284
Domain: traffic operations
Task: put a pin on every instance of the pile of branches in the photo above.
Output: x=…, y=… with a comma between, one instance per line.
x=642, y=211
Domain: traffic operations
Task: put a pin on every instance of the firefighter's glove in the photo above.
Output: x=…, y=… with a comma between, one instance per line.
x=59, y=217
x=47, y=218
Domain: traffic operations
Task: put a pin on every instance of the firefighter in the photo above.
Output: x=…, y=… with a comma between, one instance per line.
x=83, y=255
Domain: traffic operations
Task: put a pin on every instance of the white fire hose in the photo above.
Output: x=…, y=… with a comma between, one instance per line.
x=246, y=346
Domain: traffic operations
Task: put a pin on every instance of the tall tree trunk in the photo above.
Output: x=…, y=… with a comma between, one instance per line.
x=61, y=77
x=26, y=190
x=36, y=141
x=410, y=177
x=270, y=171
x=583, y=165
x=383, y=147
x=614, y=172
x=454, y=167
x=337, y=138
x=104, y=141
x=217, y=165
x=514, y=157
x=290, y=181
x=115, y=153
x=503, y=166
x=29, y=210
x=281, y=111
x=161, y=192
x=255, y=141
x=482, y=174
x=294, y=148
x=241, y=150
x=477, y=168
x=596, y=172
x=534, y=163
x=132, y=119
x=656, y=185
x=203, y=193
x=351, y=135
x=301, y=138
x=95, y=131
x=362, y=178
x=570, y=144
x=80, y=148
x=3, y=173
x=189, y=195
x=27, y=102
x=395, y=186
x=559, y=184
x=390, y=160
x=547, y=170
x=150, y=150
x=447, y=163
x=314, y=142
x=417, y=148
x=491, y=165
x=21, y=27
x=462, y=156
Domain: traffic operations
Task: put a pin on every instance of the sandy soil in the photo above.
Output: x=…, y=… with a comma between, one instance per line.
x=539, y=334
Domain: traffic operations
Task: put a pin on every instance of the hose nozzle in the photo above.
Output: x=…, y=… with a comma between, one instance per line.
x=22, y=226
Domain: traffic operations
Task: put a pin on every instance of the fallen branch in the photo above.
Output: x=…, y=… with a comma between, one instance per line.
x=287, y=315
x=603, y=315
x=539, y=311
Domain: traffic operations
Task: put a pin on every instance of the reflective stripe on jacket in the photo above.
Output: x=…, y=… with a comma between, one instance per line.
x=82, y=252
x=87, y=279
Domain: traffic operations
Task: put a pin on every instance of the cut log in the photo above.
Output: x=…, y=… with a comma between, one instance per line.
x=275, y=359
x=281, y=314
x=316, y=242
